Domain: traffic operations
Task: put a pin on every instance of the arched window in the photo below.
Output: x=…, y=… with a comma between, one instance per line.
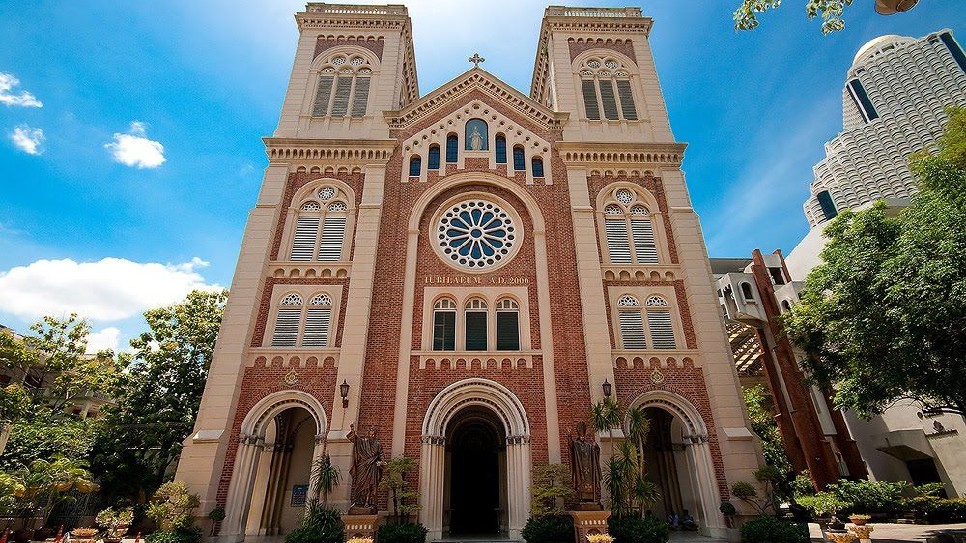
x=519, y=158
x=659, y=322
x=317, y=319
x=507, y=325
x=605, y=85
x=343, y=87
x=747, y=293
x=433, y=157
x=500, y=149
x=477, y=138
x=631, y=323
x=785, y=306
x=475, y=318
x=444, y=325
x=452, y=148
x=537, y=166
x=320, y=227
x=415, y=164
x=287, y=318
x=629, y=229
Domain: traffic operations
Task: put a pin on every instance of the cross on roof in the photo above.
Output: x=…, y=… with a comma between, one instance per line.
x=476, y=59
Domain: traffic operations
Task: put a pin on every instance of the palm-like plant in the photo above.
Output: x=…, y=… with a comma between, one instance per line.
x=46, y=484
x=605, y=415
x=325, y=477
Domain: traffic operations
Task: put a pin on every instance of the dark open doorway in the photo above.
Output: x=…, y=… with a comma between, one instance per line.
x=475, y=443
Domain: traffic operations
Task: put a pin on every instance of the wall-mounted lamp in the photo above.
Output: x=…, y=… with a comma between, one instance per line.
x=344, y=391
x=607, y=388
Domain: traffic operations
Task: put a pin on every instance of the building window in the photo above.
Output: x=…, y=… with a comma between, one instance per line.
x=452, y=148
x=507, y=325
x=519, y=158
x=954, y=49
x=433, y=157
x=631, y=323
x=320, y=227
x=629, y=230
x=289, y=318
x=343, y=87
x=861, y=100
x=827, y=205
x=500, y=149
x=659, y=322
x=476, y=135
x=605, y=86
x=746, y=293
x=475, y=318
x=415, y=164
x=444, y=325
x=475, y=234
x=537, y=166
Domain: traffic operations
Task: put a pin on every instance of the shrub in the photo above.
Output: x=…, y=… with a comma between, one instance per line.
x=172, y=505
x=769, y=529
x=639, y=530
x=549, y=529
x=405, y=532
x=183, y=535
x=870, y=497
x=944, y=511
x=317, y=525
x=824, y=504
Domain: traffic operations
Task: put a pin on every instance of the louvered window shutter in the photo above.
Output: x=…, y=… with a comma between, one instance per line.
x=627, y=99
x=589, y=91
x=286, y=327
x=322, y=96
x=608, y=99
x=643, y=233
x=444, y=331
x=306, y=230
x=475, y=331
x=360, y=99
x=316, y=332
x=507, y=331
x=662, y=334
x=617, y=243
x=333, y=234
x=632, y=329
x=340, y=104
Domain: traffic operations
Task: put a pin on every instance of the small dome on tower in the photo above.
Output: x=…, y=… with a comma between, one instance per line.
x=876, y=45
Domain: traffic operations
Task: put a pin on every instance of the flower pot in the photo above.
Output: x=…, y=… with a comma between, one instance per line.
x=858, y=521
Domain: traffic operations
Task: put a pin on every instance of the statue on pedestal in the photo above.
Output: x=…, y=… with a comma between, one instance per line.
x=366, y=470
x=585, y=467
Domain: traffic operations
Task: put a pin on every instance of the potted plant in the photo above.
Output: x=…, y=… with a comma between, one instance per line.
x=859, y=520
x=729, y=511
x=84, y=535
x=115, y=523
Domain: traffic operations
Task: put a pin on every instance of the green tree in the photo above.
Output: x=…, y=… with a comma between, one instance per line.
x=746, y=16
x=884, y=316
x=762, y=416
x=404, y=500
x=156, y=399
x=550, y=488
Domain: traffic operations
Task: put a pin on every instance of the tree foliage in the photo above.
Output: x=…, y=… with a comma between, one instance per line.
x=156, y=399
x=746, y=16
x=762, y=416
x=550, y=488
x=884, y=315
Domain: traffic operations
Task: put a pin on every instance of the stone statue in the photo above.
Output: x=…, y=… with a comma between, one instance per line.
x=476, y=140
x=366, y=470
x=585, y=467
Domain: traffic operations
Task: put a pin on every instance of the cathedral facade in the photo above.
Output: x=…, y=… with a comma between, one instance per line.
x=465, y=273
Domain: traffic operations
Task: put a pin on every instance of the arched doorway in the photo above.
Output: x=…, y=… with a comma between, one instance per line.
x=678, y=460
x=283, y=474
x=279, y=439
x=475, y=489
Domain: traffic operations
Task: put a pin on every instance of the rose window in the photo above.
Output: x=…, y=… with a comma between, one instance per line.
x=476, y=234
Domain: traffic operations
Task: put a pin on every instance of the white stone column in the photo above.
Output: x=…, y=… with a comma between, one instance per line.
x=518, y=483
x=432, y=462
x=240, y=490
x=706, y=493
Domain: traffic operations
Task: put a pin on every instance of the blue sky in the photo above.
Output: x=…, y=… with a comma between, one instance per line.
x=130, y=148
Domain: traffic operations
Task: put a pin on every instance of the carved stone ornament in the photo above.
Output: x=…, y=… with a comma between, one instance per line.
x=657, y=377
x=291, y=378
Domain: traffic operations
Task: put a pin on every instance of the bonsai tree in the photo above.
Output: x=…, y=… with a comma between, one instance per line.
x=549, y=489
x=746, y=492
x=115, y=522
x=401, y=497
x=171, y=509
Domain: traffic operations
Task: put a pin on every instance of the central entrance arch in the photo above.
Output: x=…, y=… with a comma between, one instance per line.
x=475, y=488
x=479, y=425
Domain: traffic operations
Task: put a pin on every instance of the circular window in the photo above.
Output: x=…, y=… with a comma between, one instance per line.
x=475, y=234
x=624, y=196
x=326, y=193
x=338, y=61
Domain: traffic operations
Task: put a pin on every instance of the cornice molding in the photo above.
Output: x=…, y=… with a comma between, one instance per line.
x=473, y=79
x=621, y=154
x=350, y=152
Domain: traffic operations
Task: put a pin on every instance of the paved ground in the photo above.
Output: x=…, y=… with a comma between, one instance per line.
x=901, y=533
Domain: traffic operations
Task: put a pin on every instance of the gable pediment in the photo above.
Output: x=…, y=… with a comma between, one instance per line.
x=475, y=79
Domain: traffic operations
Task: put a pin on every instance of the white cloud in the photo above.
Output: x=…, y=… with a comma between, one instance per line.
x=28, y=139
x=107, y=338
x=110, y=289
x=7, y=97
x=135, y=149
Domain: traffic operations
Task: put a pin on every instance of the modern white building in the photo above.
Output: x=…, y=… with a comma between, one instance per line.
x=893, y=105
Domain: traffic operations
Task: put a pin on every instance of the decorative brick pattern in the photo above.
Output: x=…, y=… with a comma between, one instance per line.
x=328, y=42
x=624, y=47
